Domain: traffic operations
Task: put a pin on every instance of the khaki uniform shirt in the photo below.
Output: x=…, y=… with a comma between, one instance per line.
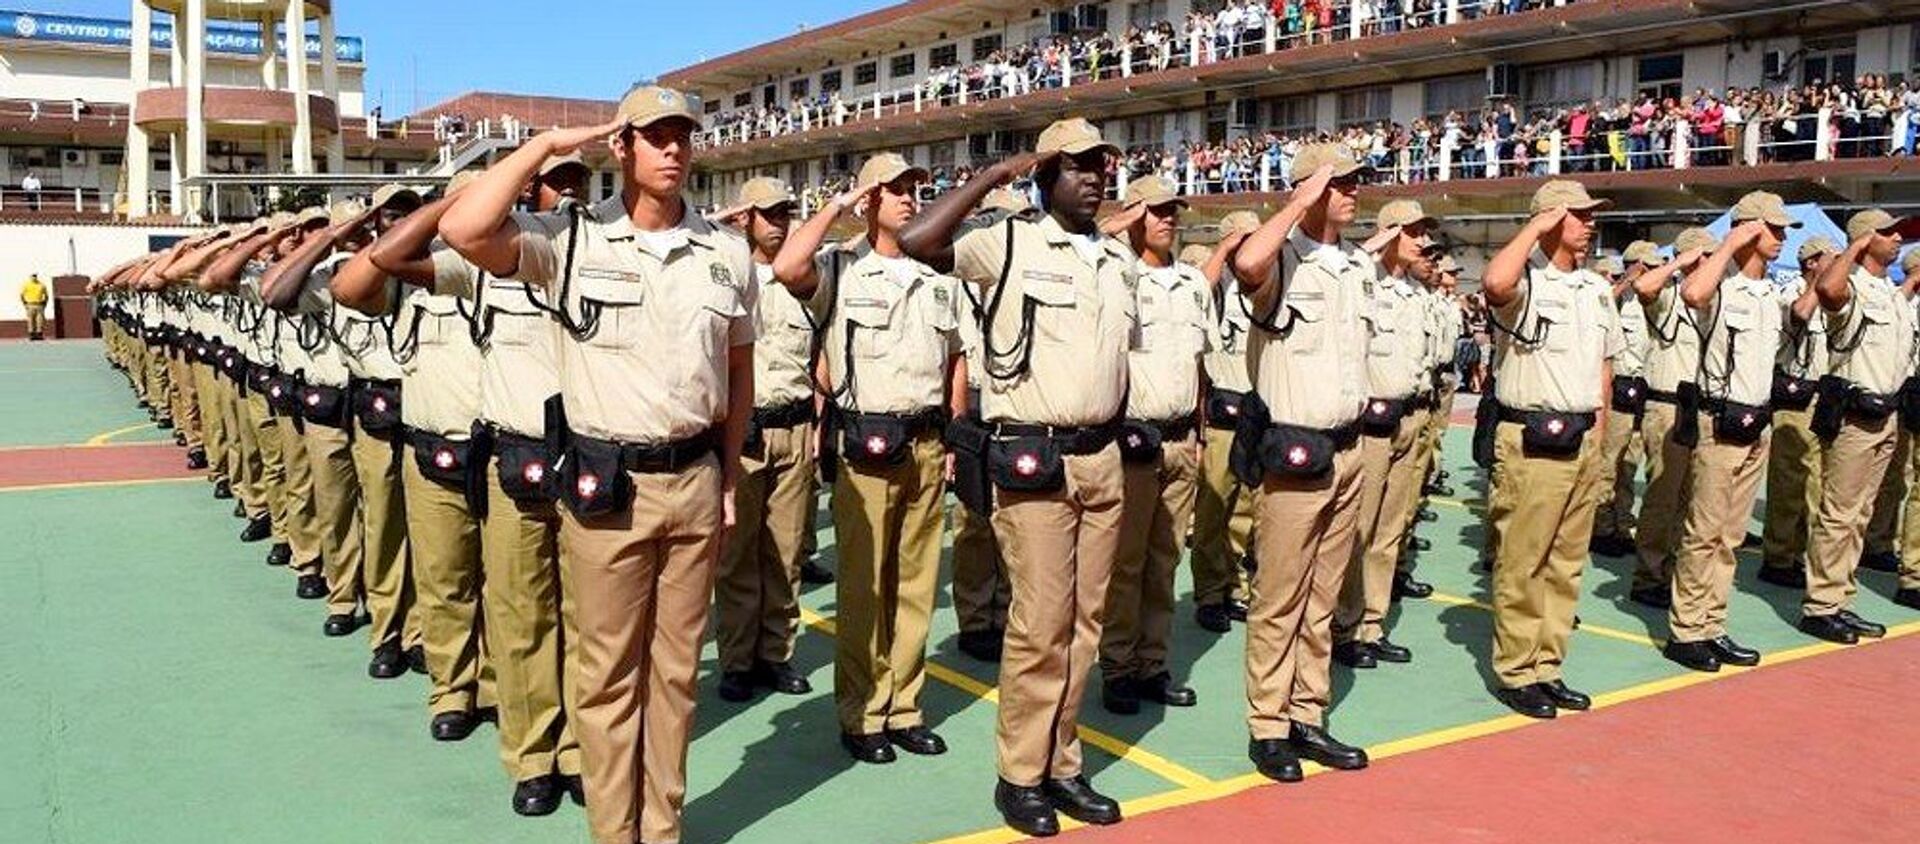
x=326, y=358
x=1314, y=375
x=1398, y=348
x=1872, y=338
x=1674, y=356
x=1632, y=362
x=1570, y=318
x=1163, y=370
x=904, y=321
x=1744, y=331
x=1226, y=363
x=519, y=361
x=441, y=379
x=784, y=349
x=1082, y=298
x=1443, y=328
x=670, y=306
x=1803, y=351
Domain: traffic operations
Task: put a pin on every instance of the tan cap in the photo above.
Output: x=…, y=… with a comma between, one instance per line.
x=1195, y=255
x=1642, y=252
x=1153, y=192
x=1817, y=245
x=1869, y=221
x=1447, y=266
x=1766, y=207
x=1072, y=136
x=343, y=211
x=460, y=180
x=763, y=193
x=884, y=169
x=1695, y=238
x=1314, y=156
x=389, y=193
x=1240, y=221
x=1003, y=199
x=645, y=106
x=308, y=215
x=1609, y=265
x=1401, y=213
x=556, y=162
x=284, y=218
x=1910, y=263
x=1568, y=194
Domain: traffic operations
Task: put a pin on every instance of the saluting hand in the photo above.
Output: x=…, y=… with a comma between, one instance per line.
x=1547, y=220
x=854, y=198
x=1311, y=189
x=565, y=141
x=1020, y=165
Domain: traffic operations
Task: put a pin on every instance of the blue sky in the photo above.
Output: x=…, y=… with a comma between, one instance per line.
x=422, y=51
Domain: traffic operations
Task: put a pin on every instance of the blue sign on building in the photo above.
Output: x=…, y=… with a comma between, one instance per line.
x=230, y=40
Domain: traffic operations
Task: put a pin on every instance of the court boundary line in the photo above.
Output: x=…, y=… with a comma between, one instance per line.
x=97, y=484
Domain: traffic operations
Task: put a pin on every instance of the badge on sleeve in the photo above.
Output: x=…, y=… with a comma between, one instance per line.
x=721, y=274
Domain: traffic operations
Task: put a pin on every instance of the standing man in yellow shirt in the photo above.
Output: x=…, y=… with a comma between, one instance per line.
x=33, y=297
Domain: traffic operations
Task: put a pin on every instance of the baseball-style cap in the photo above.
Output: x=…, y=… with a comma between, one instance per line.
x=1568, y=194
x=343, y=211
x=1868, y=221
x=1401, y=213
x=1002, y=199
x=284, y=218
x=1195, y=255
x=1447, y=266
x=559, y=161
x=1642, y=252
x=311, y=214
x=1766, y=207
x=1316, y=155
x=389, y=193
x=1695, y=238
x=883, y=169
x=1240, y=221
x=1072, y=136
x=1609, y=265
x=1153, y=192
x=763, y=193
x=1817, y=245
x=645, y=106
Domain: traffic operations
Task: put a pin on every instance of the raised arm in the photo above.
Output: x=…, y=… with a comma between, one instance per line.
x=280, y=287
x=1501, y=284
x=1651, y=282
x=1834, y=289
x=195, y=258
x=479, y=222
x=1254, y=261
x=929, y=237
x=224, y=274
x=1703, y=283
x=794, y=265
x=1222, y=255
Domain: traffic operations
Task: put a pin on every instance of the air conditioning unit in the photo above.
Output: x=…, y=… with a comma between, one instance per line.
x=1503, y=80
x=73, y=158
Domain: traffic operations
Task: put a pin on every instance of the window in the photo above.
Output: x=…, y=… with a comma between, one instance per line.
x=743, y=99
x=1246, y=113
x=829, y=81
x=1659, y=76
x=798, y=88
x=866, y=74
x=767, y=96
x=977, y=145
x=1368, y=105
x=111, y=157
x=940, y=154
x=710, y=107
x=985, y=46
x=1558, y=86
x=1292, y=115
x=1147, y=130
x=1144, y=13
x=900, y=65
x=1828, y=59
x=945, y=55
x=1455, y=93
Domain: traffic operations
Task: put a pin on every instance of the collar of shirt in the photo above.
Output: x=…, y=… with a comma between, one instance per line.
x=1093, y=249
x=1756, y=286
x=612, y=213
x=1334, y=255
x=1576, y=278
x=1167, y=277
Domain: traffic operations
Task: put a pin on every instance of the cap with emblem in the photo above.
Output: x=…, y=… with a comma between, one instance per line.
x=343, y=211
x=1153, y=191
x=1401, y=213
x=1195, y=255
x=1312, y=157
x=884, y=169
x=1693, y=238
x=650, y=104
x=1817, y=245
x=391, y=193
x=1869, y=221
x=1568, y=194
x=1072, y=136
x=763, y=193
x=558, y=161
x=1766, y=207
x=1641, y=252
x=1240, y=221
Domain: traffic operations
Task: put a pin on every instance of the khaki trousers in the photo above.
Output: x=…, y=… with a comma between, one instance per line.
x=336, y=506
x=36, y=318
x=1662, y=507
x=531, y=633
x=186, y=402
x=445, y=541
x=757, y=590
x=383, y=530
x=1851, y=469
x=265, y=474
x=1223, y=517
x=1153, y=531
x=1306, y=539
x=213, y=421
x=887, y=522
x=244, y=465
x=1883, y=529
x=1543, y=509
x=641, y=580
x=1726, y=482
x=303, y=522
x=1620, y=457
x=1386, y=466
x=1793, y=489
x=1059, y=548
x=159, y=390
x=980, y=588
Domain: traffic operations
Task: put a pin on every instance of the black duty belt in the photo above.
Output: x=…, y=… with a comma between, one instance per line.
x=784, y=416
x=666, y=457
x=1170, y=429
x=1070, y=439
x=1516, y=415
x=934, y=418
x=1662, y=396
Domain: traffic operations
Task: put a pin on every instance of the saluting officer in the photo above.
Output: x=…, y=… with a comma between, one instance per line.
x=1399, y=369
x=1224, y=508
x=1059, y=315
x=1667, y=424
x=1307, y=353
x=1554, y=382
x=1736, y=303
x=1446, y=333
x=1870, y=331
x=656, y=383
x=756, y=595
x=1793, y=462
x=1625, y=447
x=1160, y=448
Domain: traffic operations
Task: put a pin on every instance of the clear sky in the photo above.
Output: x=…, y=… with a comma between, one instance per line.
x=422, y=51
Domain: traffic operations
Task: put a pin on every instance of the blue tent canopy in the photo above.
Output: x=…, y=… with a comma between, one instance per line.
x=1813, y=223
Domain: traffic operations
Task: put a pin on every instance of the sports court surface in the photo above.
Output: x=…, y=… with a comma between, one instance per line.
x=158, y=683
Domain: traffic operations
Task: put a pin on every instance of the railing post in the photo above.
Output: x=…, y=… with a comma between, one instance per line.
x=1192, y=182
x=1271, y=40
x=1446, y=158
x=1453, y=11
x=1194, y=39
x=1353, y=23
x=1556, y=149
x=1682, y=146
x=1403, y=166
x=1266, y=172
x=1126, y=60
x=1120, y=187
x=80, y=202
x=963, y=91
x=1823, y=135
x=1066, y=68
x=916, y=99
x=1750, y=143
x=1492, y=147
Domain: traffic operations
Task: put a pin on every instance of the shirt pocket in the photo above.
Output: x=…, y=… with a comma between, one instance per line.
x=1304, y=315
x=1057, y=316
x=1383, y=332
x=1554, y=324
x=440, y=322
x=869, y=320
x=512, y=317
x=610, y=303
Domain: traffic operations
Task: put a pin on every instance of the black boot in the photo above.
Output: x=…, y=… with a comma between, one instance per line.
x=1026, y=809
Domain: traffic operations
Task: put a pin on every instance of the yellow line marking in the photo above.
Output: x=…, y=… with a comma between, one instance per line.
x=96, y=484
x=57, y=446
x=1471, y=506
x=1429, y=740
x=1161, y=766
x=1585, y=626
x=104, y=438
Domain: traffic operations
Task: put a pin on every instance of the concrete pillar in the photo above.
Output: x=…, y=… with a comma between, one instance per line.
x=270, y=55
x=1556, y=148
x=330, y=81
x=297, y=68
x=275, y=144
x=175, y=199
x=194, y=35
x=139, y=158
